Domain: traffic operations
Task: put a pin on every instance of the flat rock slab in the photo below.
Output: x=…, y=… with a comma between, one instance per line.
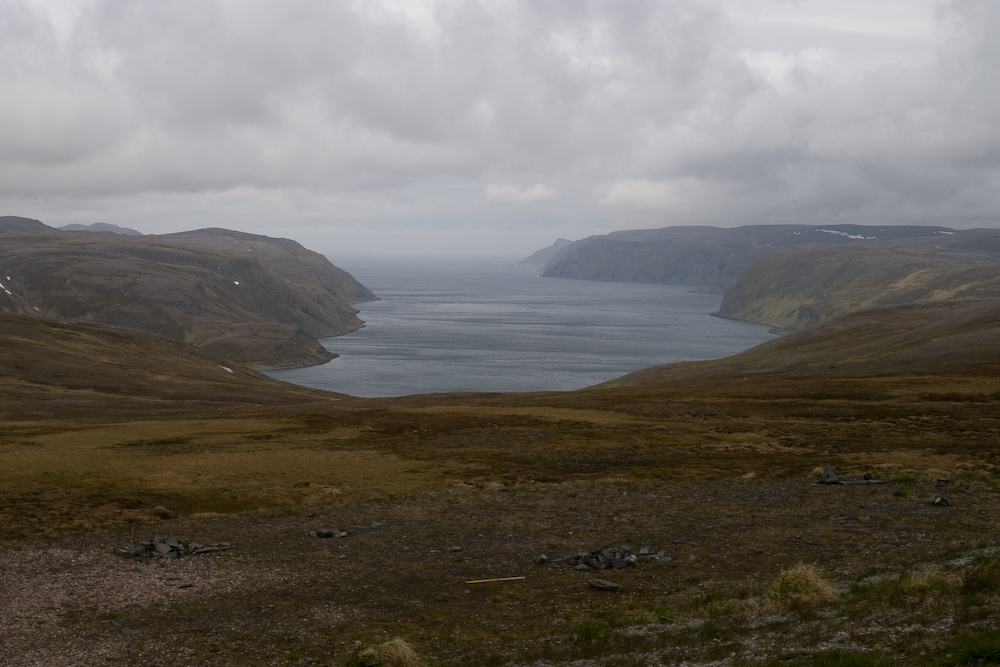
x=605, y=585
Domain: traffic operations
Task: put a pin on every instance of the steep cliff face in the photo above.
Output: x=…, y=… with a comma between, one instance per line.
x=798, y=287
x=707, y=255
x=542, y=257
x=247, y=299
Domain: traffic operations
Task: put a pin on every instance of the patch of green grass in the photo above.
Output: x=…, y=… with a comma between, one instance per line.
x=979, y=649
x=591, y=631
x=110, y=615
x=851, y=659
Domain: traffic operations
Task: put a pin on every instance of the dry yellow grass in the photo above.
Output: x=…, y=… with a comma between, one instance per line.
x=801, y=586
x=393, y=653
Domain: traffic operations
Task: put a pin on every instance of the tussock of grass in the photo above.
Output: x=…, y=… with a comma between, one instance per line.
x=982, y=578
x=801, y=586
x=393, y=653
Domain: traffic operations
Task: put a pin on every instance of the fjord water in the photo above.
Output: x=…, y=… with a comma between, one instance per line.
x=495, y=326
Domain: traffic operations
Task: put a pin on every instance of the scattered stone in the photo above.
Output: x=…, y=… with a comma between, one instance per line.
x=542, y=560
x=605, y=585
x=456, y=548
x=328, y=532
x=168, y=547
x=647, y=551
x=828, y=477
x=941, y=481
x=940, y=501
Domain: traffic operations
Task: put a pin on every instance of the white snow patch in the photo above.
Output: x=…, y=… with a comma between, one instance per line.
x=226, y=368
x=940, y=232
x=236, y=282
x=850, y=236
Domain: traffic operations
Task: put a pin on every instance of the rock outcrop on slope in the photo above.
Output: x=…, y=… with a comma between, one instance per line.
x=709, y=256
x=243, y=298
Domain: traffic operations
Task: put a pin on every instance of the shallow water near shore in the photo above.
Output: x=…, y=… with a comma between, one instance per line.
x=445, y=326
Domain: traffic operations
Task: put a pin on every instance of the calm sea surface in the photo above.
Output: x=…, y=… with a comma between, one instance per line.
x=495, y=326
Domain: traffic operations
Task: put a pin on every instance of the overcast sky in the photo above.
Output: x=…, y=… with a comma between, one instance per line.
x=492, y=127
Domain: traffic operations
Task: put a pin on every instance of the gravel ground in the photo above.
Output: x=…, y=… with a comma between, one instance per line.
x=282, y=596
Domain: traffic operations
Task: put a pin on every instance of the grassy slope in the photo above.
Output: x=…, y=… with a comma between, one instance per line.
x=245, y=298
x=950, y=337
x=53, y=369
x=812, y=284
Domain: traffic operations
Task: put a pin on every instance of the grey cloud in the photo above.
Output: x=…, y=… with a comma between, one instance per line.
x=633, y=112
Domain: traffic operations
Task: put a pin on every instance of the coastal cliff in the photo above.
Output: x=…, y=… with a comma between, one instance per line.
x=709, y=256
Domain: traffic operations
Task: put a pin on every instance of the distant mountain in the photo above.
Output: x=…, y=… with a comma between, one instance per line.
x=545, y=255
x=101, y=227
x=709, y=256
x=246, y=299
x=13, y=223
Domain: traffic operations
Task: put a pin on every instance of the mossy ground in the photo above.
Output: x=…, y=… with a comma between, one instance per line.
x=718, y=474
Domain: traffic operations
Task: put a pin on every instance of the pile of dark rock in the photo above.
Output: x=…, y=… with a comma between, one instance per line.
x=598, y=558
x=168, y=547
